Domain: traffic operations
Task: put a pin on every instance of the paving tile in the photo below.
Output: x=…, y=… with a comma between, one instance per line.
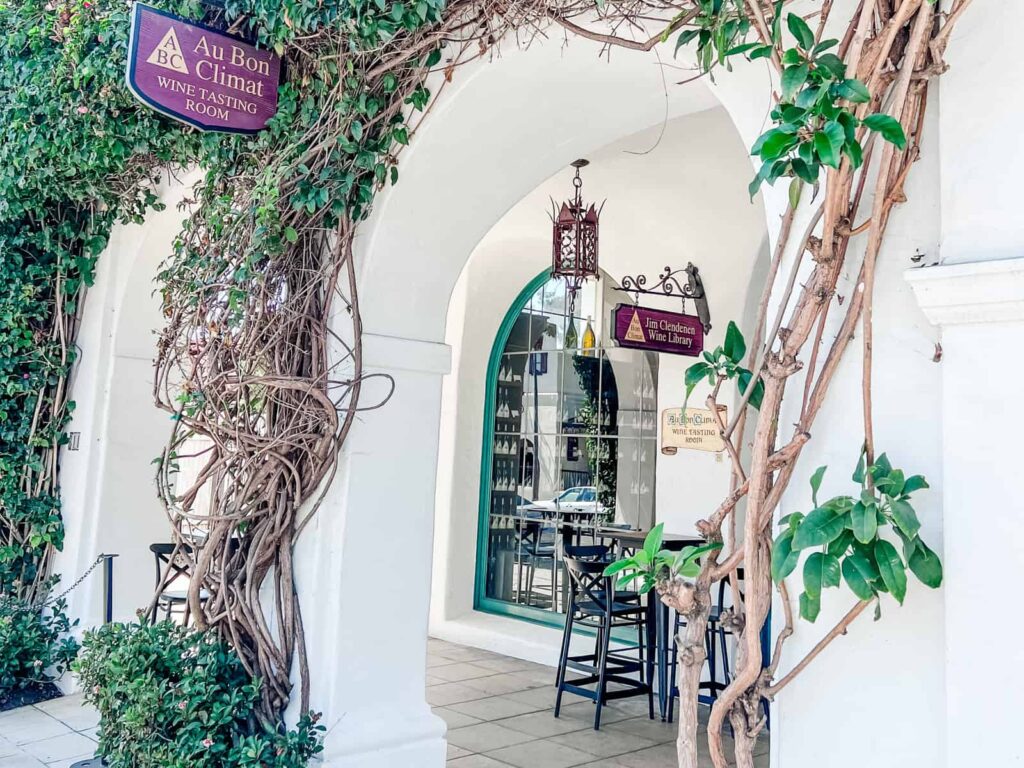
x=541, y=697
x=20, y=761
x=476, y=761
x=486, y=737
x=60, y=747
x=7, y=748
x=653, y=730
x=26, y=724
x=545, y=724
x=72, y=711
x=603, y=743
x=509, y=682
x=463, y=653
x=508, y=664
x=608, y=762
x=454, y=752
x=460, y=670
x=495, y=708
x=584, y=710
x=541, y=754
x=454, y=718
x=452, y=693
x=662, y=756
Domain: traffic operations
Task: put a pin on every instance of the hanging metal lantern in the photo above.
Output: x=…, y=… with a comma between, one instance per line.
x=574, y=240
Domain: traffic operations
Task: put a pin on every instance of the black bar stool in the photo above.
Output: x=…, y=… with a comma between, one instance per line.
x=594, y=603
x=715, y=638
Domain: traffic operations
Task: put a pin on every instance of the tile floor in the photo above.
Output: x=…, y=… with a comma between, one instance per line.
x=58, y=733
x=499, y=714
x=498, y=710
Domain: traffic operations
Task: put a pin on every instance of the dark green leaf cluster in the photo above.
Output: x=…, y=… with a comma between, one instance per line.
x=724, y=364
x=78, y=156
x=175, y=697
x=652, y=564
x=814, y=123
x=845, y=533
x=34, y=644
x=720, y=29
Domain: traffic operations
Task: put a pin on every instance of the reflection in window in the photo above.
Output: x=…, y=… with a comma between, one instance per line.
x=572, y=441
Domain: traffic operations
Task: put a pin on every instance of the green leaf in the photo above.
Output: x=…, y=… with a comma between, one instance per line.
x=807, y=98
x=855, y=579
x=290, y=234
x=810, y=606
x=653, y=541
x=776, y=143
x=757, y=396
x=799, y=29
x=819, y=527
x=758, y=180
x=806, y=171
x=831, y=64
x=692, y=377
x=839, y=545
x=816, y=478
x=891, y=569
x=784, y=557
x=735, y=346
x=880, y=469
x=905, y=518
x=854, y=90
x=914, y=483
x=796, y=186
x=820, y=571
x=858, y=473
x=926, y=565
x=793, y=79
x=684, y=37
x=855, y=152
x=828, y=143
x=619, y=565
x=864, y=521
x=888, y=127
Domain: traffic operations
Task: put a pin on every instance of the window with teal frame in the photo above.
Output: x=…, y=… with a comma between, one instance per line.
x=569, y=443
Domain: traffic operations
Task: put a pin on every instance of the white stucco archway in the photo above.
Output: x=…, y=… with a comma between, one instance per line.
x=496, y=132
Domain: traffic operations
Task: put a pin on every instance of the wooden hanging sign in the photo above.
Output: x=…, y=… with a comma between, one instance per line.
x=200, y=76
x=657, y=330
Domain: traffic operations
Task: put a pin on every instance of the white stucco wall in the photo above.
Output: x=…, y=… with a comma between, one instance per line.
x=913, y=690
x=650, y=220
x=108, y=486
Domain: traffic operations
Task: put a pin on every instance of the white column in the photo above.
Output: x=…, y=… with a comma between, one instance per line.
x=980, y=308
x=365, y=586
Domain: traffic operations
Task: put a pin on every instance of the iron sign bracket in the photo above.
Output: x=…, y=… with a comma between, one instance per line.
x=671, y=283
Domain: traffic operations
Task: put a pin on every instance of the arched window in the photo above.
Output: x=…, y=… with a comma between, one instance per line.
x=569, y=440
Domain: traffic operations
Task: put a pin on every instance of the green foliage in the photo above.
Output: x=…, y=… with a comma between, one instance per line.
x=846, y=534
x=652, y=564
x=814, y=121
x=34, y=644
x=175, y=697
x=80, y=155
x=724, y=364
x=720, y=29
x=815, y=124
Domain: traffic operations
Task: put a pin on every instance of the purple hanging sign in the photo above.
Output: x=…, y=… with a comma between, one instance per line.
x=203, y=77
x=657, y=330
